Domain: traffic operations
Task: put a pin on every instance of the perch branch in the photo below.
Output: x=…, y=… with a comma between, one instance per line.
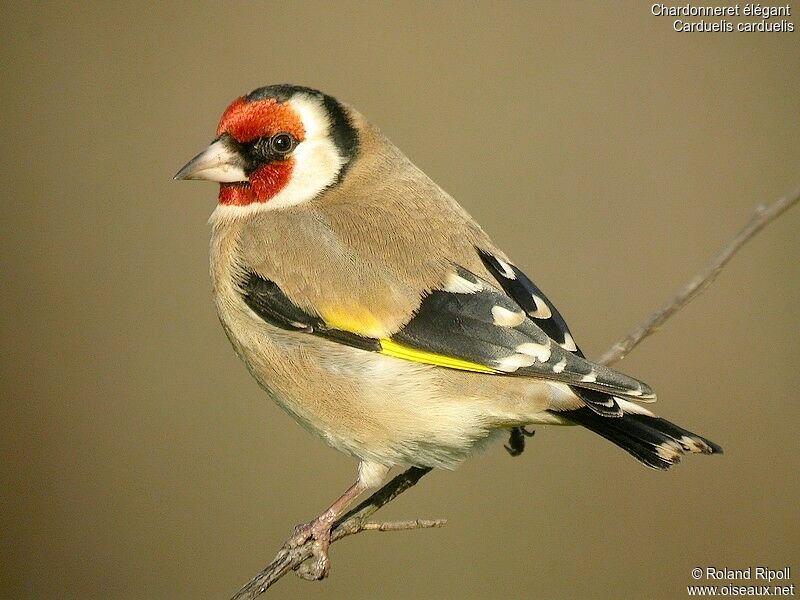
x=762, y=216
x=356, y=520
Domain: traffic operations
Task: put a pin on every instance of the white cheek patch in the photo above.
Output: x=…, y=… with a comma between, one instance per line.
x=316, y=166
x=313, y=115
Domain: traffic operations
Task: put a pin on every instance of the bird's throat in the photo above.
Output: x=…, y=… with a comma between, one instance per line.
x=235, y=194
x=265, y=183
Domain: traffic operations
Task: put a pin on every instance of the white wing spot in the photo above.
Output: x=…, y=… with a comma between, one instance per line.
x=560, y=366
x=540, y=352
x=508, y=272
x=590, y=378
x=630, y=407
x=455, y=284
x=542, y=310
x=509, y=364
x=507, y=318
x=569, y=343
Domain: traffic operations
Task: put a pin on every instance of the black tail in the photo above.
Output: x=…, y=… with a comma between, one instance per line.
x=653, y=441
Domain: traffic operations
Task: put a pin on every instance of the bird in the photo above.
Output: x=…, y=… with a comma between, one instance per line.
x=372, y=308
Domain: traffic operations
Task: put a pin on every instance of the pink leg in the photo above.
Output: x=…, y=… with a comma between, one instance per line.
x=319, y=530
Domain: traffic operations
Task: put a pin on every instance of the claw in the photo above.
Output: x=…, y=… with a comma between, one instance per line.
x=516, y=440
x=319, y=564
x=512, y=451
x=318, y=532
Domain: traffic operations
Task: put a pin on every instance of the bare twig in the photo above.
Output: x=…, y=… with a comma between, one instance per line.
x=403, y=525
x=762, y=216
x=355, y=521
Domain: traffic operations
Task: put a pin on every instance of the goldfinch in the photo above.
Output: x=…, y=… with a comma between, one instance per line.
x=372, y=308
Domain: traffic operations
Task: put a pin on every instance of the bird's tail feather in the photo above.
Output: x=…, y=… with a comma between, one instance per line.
x=653, y=441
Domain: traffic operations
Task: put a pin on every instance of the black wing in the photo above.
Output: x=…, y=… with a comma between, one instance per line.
x=534, y=302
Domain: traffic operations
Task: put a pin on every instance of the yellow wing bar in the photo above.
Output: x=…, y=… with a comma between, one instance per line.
x=390, y=348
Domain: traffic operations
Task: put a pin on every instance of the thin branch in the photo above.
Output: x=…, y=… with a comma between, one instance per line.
x=403, y=525
x=356, y=520
x=762, y=216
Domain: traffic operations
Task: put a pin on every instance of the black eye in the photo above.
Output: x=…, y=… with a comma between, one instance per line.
x=282, y=143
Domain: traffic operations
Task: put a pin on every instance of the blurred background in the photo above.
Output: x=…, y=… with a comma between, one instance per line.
x=610, y=156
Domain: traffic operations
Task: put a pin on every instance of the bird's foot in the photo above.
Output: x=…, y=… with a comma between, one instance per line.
x=516, y=440
x=318, y=532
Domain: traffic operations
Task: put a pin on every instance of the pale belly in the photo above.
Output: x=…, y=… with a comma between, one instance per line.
x=379, y=408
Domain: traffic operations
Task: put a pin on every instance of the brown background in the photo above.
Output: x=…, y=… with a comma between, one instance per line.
x=608, y=154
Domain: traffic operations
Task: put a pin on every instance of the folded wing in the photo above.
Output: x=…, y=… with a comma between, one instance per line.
x=468, y=324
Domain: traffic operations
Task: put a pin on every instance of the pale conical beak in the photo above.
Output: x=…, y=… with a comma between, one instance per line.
x=221, y=161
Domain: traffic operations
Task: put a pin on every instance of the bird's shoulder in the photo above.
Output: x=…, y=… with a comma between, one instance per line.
x=363, y=256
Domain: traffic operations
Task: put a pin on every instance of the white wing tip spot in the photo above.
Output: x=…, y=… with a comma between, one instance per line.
x=504, y=317
x=542, y=310
x=455, y=284
x=508, y=272
x=631, y=407
x=511, y=363
x=569, y=343
x=539, y=351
